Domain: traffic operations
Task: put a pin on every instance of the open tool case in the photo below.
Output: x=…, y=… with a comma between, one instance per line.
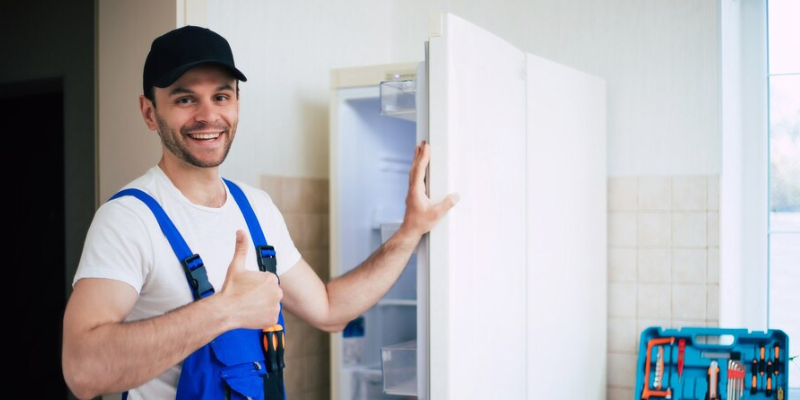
x=714, y=364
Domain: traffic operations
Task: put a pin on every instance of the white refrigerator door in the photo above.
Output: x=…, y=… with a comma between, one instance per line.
x=477, y=252
x=517, y=290
x=566, y=234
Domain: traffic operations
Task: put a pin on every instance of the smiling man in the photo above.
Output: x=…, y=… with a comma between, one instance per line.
x=185, y=274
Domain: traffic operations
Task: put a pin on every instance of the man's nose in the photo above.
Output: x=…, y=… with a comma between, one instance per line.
x=206, y=112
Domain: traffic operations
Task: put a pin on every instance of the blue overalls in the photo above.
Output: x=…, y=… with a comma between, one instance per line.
x=240, y=364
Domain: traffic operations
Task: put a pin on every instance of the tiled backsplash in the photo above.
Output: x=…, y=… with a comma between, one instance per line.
x=304, y=205
x=663, y=264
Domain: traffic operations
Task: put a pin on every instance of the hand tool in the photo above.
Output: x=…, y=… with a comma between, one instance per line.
x=659, y=373
x=646, y=391
x=273, y=342
x=729, y=396
x=769, y=379
x=713, y=381
x=736, y=375
x=776, y=366
x=762, y=362
x=681, y=351
x=754, y=371
x=714, y=355
x=273, y=339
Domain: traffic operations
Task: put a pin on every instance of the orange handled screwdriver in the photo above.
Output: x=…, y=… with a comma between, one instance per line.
x=762, y=363
x=769, y=378
x=273, y=346
x=754, y=370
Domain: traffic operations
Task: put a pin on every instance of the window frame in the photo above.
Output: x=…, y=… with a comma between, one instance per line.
x=744, y=180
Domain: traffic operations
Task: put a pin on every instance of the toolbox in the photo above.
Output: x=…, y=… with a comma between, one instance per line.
x=712, y=364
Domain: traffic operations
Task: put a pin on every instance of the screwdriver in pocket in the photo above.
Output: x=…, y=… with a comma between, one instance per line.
x=273, y=345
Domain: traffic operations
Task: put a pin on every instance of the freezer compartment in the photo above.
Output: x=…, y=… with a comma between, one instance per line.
x=399, y=365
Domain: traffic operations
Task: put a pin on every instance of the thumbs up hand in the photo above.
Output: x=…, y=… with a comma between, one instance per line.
x=254, y=296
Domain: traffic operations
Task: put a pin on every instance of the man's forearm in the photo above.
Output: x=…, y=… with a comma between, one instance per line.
x=353, y=293
x=113, y=357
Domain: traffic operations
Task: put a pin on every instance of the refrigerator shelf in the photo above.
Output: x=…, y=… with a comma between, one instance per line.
x=366, y=383
x=388, y=229
x=397, y=302
x=405, y=389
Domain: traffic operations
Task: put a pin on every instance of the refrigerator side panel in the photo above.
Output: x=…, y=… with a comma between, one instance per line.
x=333, y=198
x=477, y=265
x=423, y=274
x=566, y=240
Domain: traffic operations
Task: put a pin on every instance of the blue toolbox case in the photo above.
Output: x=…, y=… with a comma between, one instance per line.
x=702, y=346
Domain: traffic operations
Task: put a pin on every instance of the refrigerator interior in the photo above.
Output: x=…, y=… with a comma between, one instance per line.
x=375, y=146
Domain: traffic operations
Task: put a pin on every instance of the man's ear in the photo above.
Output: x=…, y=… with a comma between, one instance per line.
x=148, y=112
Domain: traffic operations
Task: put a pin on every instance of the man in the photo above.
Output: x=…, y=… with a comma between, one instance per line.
x=131, y=321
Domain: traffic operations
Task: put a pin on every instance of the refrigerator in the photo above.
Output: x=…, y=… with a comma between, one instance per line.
x=506, y=297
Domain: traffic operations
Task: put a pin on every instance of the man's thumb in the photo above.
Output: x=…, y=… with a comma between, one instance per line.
x=240, y=252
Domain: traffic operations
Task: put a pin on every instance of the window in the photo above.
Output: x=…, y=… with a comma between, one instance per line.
x=783, y=47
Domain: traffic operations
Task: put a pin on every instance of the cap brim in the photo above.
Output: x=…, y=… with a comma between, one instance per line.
x=172, y=76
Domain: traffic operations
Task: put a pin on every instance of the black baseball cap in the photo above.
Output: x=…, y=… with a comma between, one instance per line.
x=177, y=51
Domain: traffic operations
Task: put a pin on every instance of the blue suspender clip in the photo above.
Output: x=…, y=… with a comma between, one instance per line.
x=266, y=259
x=197, y=276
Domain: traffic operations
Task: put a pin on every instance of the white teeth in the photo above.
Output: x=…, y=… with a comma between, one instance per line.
x=205, y=136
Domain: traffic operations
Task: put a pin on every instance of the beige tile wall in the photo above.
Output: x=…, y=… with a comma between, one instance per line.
x=304, y=204
x=663, y=264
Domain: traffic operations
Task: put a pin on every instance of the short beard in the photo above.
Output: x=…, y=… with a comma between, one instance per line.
x=169, y=138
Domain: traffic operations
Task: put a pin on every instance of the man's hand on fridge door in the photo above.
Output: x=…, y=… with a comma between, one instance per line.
x=422, y=213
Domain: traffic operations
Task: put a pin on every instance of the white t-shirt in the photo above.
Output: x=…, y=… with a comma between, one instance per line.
x=126, y=243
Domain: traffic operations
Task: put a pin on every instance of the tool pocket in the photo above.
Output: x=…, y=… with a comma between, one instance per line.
x=230, y=367
x=244, y=381
x=241, y=363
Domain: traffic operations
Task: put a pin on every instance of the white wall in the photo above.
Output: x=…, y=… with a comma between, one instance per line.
x=126, y=148
x=660, y=61
x=286, y=50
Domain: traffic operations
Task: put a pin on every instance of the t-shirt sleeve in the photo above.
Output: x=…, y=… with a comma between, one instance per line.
x=117, y=245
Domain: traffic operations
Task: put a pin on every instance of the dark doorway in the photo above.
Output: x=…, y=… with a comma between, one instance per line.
x=33, y=119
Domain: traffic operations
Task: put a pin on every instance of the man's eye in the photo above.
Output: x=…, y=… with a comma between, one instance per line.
x=222, y=97
x=184, y=100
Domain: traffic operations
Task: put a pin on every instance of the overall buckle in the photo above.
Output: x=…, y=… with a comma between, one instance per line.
x=197, y=276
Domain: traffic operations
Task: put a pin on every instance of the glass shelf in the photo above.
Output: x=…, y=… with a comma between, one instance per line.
x=399, y=365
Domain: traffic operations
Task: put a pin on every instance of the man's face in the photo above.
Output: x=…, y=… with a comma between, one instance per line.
x=197, y=115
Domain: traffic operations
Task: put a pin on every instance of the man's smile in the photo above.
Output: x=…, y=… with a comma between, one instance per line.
x=204, y=135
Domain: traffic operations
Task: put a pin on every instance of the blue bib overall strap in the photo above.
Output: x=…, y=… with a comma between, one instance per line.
x=274, y=337
x=192, y=265
x=232, y=366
